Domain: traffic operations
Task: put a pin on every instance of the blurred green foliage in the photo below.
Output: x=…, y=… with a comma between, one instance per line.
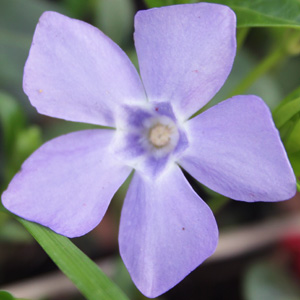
x=6, y=296
x=287, y=119
x=18, y=19
x=268, y=281
x=115, y=18
x=19, y=141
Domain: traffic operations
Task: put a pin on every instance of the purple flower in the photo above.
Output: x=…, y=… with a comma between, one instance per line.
x=185, y=52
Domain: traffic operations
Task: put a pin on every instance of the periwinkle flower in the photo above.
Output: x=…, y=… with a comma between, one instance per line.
x=185, y=53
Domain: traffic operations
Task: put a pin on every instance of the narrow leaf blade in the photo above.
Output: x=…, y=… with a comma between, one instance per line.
x=293, y=141
x=286, y=112
x=82, y=271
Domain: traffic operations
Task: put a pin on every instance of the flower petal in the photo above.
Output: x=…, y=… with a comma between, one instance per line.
x=67, y=184
x=236, y=151
x=185, y=53
x=166, y=231
x=77, y=73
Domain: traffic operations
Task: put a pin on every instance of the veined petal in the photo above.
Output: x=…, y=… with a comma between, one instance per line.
x=166, y=231
x=185, y=53
x=75, y=72
x=68, y=183
x=235, y=149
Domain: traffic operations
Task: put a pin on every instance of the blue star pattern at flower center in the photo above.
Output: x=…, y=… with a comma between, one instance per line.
x=149, y=137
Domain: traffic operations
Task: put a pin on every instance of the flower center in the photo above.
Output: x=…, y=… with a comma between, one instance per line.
x=148, y=137
x=160, y=135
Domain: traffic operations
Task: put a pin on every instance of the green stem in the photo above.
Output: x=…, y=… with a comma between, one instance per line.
x=288, y=45
x=298, y=185
x=271, y=60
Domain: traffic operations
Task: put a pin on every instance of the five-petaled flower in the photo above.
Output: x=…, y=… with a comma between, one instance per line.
x=185, y=54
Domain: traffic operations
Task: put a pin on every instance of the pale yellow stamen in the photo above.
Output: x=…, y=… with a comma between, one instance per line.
x=160, y=135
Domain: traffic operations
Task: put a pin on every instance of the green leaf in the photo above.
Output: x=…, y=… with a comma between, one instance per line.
x=254, y=13
x=7, y=296
x=293, y=141
x=262, y=13
x=159, y=3
x=286, y=112
x=291, y=96
x=295, y=162
x=82, y=271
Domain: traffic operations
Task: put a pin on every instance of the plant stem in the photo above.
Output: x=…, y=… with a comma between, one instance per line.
x=271, y=60
x=288, y=45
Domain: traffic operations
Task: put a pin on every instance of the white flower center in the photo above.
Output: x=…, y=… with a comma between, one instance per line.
x=160, y=135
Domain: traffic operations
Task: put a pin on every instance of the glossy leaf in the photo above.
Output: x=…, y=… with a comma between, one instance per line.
x=82, y=271
x=254, y=13
x=262, y=13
